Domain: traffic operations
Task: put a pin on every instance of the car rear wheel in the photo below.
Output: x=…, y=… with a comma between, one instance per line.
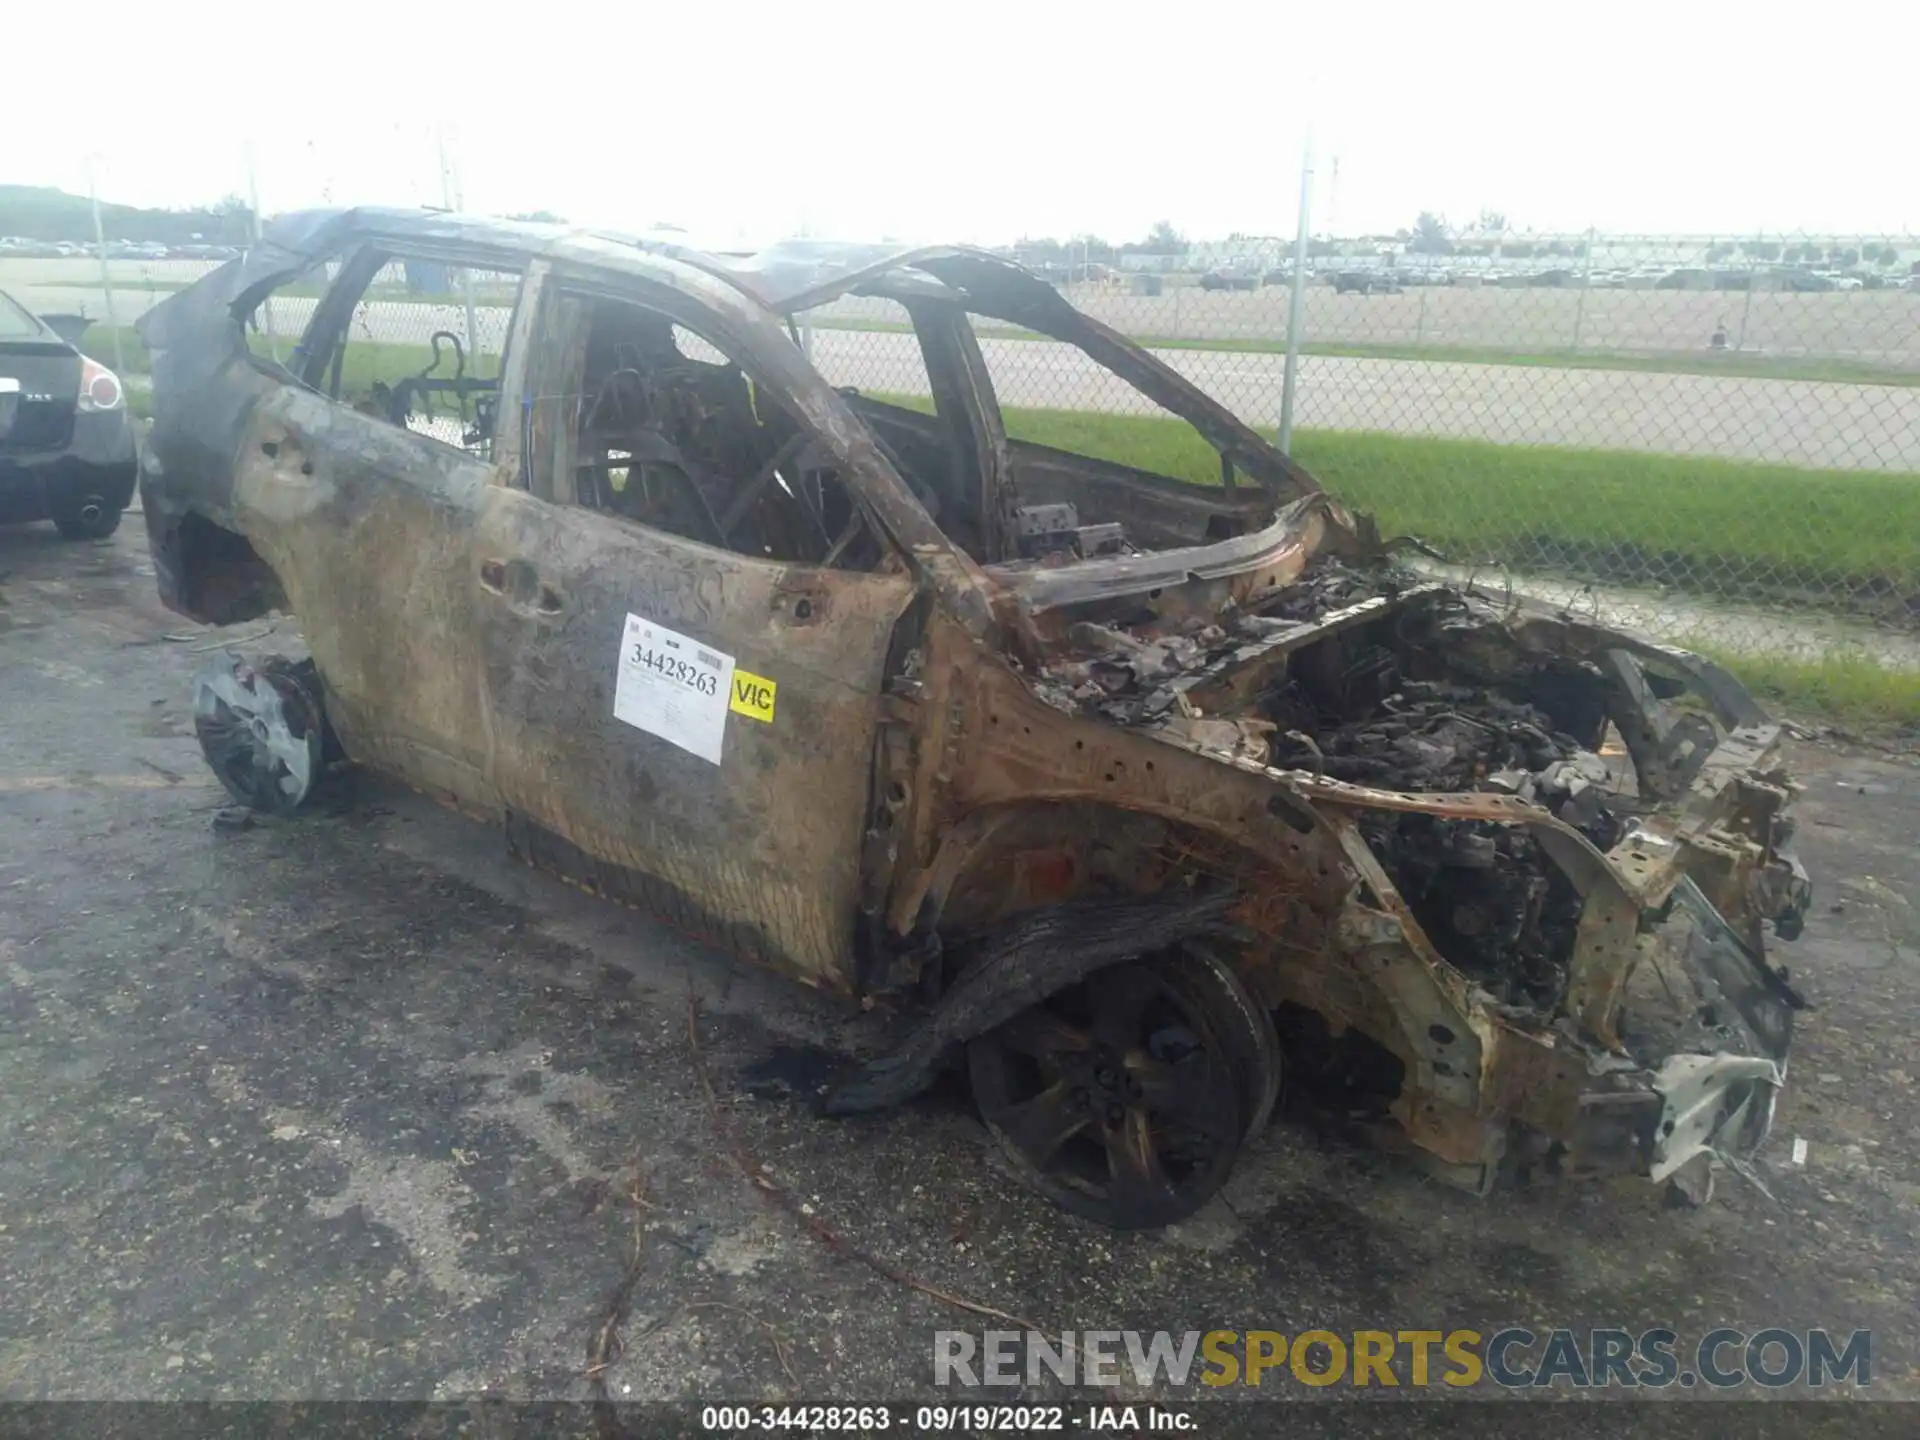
x=261, y=730
x=92, y=519
x=1126, y=1098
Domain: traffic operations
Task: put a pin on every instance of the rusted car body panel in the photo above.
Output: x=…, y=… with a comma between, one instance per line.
x=1383, y=788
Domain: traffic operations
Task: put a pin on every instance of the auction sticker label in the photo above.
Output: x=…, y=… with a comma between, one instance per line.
x=672, y=686
x=753, y=696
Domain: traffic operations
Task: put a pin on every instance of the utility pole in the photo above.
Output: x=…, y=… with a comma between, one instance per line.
x=1298, y=302
x=450, y=195
x=106, y=276
x=253, y=224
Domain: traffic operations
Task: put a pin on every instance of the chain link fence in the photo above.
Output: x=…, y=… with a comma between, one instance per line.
x=1717, y=440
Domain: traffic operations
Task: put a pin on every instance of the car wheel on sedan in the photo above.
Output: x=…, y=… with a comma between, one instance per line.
x=93, y=519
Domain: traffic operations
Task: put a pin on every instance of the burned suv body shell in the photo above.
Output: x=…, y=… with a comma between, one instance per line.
x=1086, y=712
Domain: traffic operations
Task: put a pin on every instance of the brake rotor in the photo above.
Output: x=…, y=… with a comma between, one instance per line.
x=259, y=727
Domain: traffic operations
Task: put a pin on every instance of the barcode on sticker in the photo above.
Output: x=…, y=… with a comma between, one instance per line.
x=708, y=658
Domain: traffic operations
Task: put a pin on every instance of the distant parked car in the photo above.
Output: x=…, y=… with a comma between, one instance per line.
x=1213, y=280
x=66, y=444
x=1685, y=278
x=1848, y=282
x=1806, y=281
x=1364, y=282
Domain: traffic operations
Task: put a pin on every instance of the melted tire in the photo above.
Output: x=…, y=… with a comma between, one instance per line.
x=1127, y=1098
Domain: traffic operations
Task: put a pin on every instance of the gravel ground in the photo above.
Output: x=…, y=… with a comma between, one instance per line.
x=353, y=1106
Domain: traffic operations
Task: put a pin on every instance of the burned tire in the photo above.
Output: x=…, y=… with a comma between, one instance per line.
x=1127, y=1097
x=261, y=729
x=1249, y=1033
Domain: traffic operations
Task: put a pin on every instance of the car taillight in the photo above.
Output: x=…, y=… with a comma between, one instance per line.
x=99, y=387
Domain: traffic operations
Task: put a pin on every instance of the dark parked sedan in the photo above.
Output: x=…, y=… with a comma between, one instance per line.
x=66, y=443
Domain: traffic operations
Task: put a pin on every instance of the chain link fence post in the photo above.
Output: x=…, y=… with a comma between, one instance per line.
x=1297, y=304
x=450, y=195
x=1586, y=284
x=253, y=214
x=106, y=275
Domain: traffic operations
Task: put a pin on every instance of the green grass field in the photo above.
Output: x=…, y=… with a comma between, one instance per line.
x=1851, y=686
x=1472, y=498
x=1603, y=511
x=364, y=364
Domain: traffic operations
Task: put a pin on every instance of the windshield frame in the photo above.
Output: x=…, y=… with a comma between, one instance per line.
x=943, y=290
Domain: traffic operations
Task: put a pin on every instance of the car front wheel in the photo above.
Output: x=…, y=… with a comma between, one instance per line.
x=1126, y=1098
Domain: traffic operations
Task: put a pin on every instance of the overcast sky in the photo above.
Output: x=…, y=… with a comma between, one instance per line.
x=982, y=120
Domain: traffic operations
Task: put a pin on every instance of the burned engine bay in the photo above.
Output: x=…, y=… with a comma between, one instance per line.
x=1375, y=676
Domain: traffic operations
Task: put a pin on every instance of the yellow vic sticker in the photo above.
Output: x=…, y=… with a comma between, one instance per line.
x=752, y=696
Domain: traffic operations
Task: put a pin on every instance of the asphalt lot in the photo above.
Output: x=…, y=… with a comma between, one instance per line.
x=1788, y=422
x=349, y=1107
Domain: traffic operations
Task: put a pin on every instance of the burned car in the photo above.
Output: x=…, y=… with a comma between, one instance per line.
x=1130, y=792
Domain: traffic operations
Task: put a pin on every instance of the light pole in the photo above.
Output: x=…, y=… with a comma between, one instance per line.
x=1298, y=301
x=253, y=224
x=106, y=277
x=450, y=193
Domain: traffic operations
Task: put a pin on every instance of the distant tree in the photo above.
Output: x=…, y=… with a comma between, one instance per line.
x=1556, y=247
x=1320, y=249
x=1846, y=258
x=1887, y=256
x=1578, y=249
x=1163, y=239
x=540, y=217
x=1430, y=236
x=1719, y=252
x=1517, y=249
x=1765, y=250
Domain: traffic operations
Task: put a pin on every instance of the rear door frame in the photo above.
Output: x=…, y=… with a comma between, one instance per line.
x=370, y=530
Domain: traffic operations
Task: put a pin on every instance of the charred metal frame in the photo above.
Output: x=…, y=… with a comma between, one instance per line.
x=923, y=788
